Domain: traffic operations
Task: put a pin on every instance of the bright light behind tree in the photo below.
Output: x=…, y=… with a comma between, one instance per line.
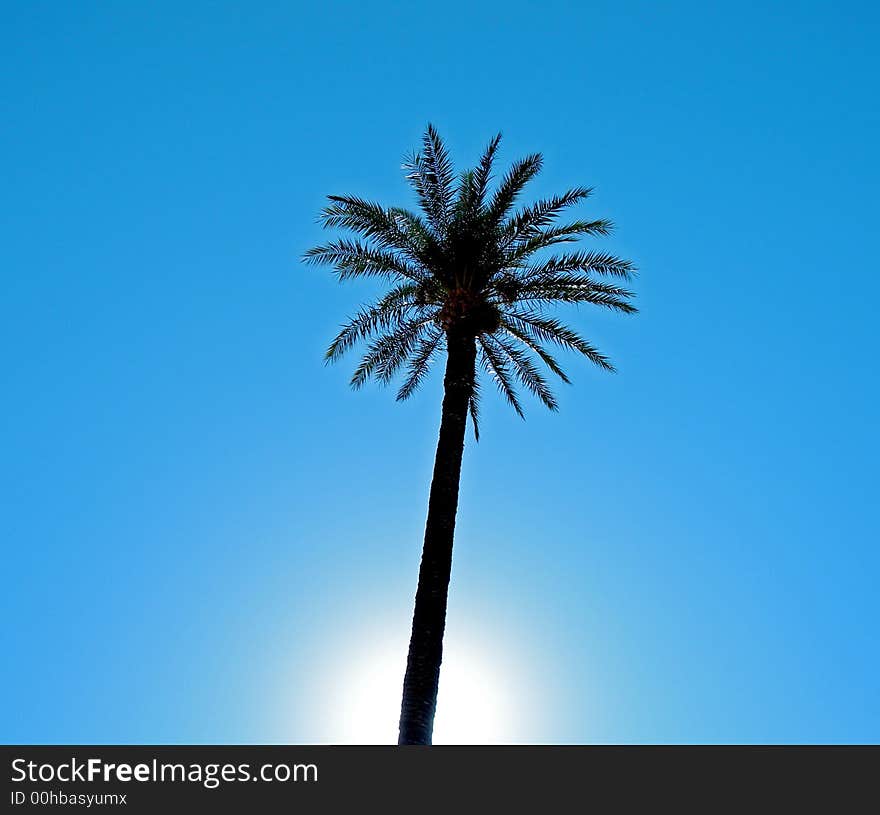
x=482, y=699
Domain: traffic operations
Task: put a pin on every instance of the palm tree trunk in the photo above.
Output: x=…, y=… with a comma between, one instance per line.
x=429, y=617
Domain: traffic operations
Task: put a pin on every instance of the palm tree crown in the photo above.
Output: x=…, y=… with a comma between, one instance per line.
x=470, y=264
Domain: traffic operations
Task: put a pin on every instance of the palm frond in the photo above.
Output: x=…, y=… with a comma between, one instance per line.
x=437, y=158
x=474, y=406
x=525, y=371
x=526, y=339
x=351, y=258
x=388, y=352
x=520, y=173
x=543, y=213
x=499, y=370
x=483, y=173
x=418, y=232
x=431, y=175
x=553, y=235
x=601, y=263
x=574, y=288
x=466, y=202
x=547, y=329
x=385, y=227
x=420, y=362
x=391, y=310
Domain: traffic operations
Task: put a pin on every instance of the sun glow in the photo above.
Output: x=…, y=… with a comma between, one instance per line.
x=481, y=698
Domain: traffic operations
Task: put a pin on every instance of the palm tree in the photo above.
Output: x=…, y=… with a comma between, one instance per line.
x=467, y=277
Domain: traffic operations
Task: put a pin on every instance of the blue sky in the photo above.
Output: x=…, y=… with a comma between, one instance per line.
x=199, y=520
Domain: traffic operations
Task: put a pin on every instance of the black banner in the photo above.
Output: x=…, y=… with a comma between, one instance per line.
x=268, y=779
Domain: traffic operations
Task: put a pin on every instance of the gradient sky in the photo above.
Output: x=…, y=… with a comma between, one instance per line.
x=198, y=519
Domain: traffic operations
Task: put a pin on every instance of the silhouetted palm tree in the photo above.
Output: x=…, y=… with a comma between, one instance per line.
x=467, y=277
